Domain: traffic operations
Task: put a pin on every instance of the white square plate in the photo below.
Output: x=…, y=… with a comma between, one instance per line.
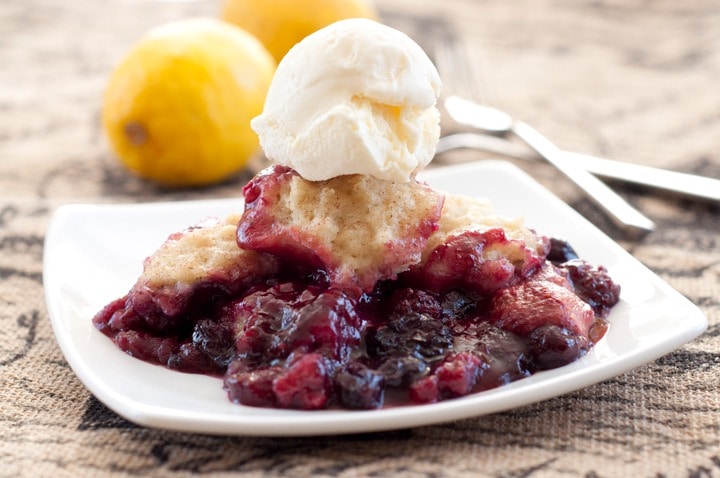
x=94, y=253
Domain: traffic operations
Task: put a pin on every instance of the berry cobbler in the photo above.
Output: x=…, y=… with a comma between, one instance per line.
x=345, y=282
x=343, y=292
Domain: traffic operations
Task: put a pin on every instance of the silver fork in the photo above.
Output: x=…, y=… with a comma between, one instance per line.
x=460, y=91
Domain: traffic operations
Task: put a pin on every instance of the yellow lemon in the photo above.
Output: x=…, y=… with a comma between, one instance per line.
x=177, y=109
x=280, y=24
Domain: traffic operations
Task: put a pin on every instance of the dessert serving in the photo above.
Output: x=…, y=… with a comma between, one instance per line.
x=345, y=282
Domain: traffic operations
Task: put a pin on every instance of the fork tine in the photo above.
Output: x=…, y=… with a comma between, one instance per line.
x=459, y=76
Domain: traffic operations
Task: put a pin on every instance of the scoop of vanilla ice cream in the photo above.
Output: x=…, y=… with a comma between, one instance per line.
x=356, y=97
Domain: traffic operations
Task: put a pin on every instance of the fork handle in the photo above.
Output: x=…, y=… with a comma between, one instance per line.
x=618, y=210
x=687, y=185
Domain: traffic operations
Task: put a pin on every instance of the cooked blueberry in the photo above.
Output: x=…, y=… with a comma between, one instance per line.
x=552, y=346
x=215, y=340
x=189, y=359
x=414, y=335
x=359, y=387
x=593, y=285
x=505, y=356
x=402, y=370
x=408, y=301
x=560, y=251
x=252, y=387
x=456, y=304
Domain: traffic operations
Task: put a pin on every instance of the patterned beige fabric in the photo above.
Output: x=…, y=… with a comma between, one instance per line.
x=628, y=79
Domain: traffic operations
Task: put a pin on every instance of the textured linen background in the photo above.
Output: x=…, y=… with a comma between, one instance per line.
x=628, y=79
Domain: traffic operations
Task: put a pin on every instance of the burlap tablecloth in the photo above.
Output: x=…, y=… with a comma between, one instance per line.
x=629, y=79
